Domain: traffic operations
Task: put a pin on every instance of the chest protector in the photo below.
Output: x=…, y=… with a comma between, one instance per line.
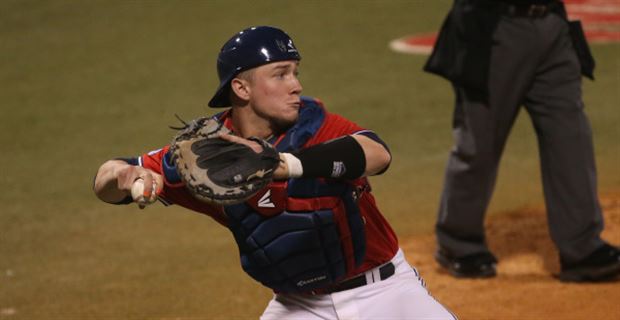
x=301, y=234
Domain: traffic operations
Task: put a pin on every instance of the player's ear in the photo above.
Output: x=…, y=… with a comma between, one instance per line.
x=241, y=88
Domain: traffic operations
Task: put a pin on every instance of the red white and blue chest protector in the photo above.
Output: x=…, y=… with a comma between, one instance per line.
x=301, y=234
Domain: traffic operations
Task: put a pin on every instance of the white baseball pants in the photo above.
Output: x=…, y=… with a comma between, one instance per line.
x=401, y=296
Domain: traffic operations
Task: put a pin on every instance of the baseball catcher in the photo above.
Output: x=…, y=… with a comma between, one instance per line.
x=298, y=203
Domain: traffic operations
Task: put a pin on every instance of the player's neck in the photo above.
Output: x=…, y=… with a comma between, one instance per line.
x=248, y=124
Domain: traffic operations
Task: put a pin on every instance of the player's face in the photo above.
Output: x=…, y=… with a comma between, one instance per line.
x=275, y=93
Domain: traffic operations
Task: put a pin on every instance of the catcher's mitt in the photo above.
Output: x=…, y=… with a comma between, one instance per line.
x=219, y=171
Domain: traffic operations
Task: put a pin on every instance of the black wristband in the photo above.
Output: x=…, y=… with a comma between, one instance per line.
x=339, y=158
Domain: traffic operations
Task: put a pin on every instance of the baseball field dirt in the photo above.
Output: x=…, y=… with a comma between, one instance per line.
x=525, y=287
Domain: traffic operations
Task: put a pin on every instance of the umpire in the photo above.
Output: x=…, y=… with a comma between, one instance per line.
x=501, y=55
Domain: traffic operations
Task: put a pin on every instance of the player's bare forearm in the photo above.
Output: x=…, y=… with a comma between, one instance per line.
x=115, y=179
x=106, y=185
x=377, y=157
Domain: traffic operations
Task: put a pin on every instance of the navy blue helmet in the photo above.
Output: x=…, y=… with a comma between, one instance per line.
x=248, y=49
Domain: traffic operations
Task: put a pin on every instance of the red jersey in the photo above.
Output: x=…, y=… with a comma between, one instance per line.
x=381, y=241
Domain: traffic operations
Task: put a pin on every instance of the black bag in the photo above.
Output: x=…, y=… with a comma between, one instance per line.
x=582, y=49
x=462, y=51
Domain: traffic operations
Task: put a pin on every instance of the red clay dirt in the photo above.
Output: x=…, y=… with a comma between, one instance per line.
x=525, y=287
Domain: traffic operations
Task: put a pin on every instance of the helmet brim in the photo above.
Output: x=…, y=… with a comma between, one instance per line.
x=221, y=98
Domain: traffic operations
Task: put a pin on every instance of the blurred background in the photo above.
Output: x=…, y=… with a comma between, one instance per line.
x=85, y=81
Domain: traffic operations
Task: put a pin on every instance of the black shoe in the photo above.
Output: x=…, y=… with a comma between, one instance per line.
x=601, y=265
x=477, y=265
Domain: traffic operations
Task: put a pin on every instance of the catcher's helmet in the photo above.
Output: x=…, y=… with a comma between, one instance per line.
x=247, y=49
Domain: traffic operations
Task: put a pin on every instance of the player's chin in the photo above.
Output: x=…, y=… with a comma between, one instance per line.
x=285, y=121
x=289, y=114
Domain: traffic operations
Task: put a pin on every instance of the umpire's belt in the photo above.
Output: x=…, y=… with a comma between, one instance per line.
x=521, y=9
x=370, y=276
x=531, y=10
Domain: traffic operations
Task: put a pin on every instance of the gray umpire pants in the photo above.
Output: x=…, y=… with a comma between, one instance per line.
x=533, y=64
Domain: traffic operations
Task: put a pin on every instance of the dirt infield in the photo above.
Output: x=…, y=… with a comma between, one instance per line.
x=525, y=287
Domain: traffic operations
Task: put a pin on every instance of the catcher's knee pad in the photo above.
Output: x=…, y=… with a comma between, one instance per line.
x=290, y=252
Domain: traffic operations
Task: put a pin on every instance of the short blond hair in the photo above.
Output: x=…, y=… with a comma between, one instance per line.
x=247, y=75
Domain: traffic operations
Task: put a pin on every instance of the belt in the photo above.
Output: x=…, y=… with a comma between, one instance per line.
x=539, y=10
x=385, y=271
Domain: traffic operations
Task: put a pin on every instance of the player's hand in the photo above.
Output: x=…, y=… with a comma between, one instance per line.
x=281, y=172
x=150, y=184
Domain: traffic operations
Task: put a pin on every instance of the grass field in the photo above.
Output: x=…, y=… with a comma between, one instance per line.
x=84, y=81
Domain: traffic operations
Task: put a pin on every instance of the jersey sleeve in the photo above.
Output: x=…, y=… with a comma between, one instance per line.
x=335, y=126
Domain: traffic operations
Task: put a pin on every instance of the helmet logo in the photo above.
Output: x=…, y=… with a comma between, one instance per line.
x=291, y=46
x=281, y=45
x=288, y=47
